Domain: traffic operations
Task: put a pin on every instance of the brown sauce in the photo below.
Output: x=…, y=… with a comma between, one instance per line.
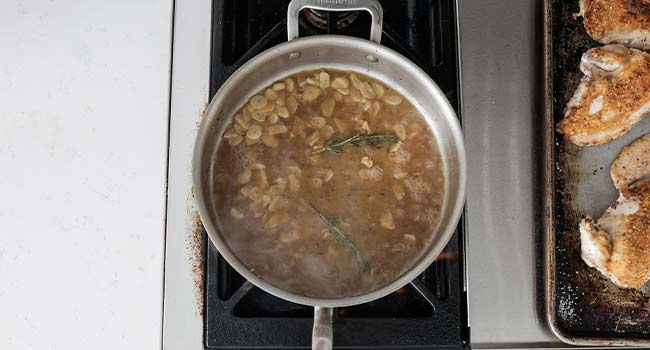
x=319, y=223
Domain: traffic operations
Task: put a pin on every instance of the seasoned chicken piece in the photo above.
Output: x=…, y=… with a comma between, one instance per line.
x=618, y=21
x=613, y=95
x=633, y=163
x=619, y=244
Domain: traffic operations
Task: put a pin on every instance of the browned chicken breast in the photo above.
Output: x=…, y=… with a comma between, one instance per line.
x=618, y=245
x=618, y=21
x=633, y=163
x=612, y=97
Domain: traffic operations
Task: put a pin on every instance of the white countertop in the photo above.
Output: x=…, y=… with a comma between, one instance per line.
x=84, y=109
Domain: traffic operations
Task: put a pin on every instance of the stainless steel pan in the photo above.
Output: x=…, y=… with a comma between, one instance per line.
x=344, y=53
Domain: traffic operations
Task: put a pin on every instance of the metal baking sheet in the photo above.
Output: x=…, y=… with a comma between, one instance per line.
x=583, y=307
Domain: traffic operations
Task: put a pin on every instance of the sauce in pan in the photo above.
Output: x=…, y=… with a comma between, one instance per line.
x=328, y=184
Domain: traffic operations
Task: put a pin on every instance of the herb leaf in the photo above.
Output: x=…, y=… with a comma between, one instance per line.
x=336, y=145
x=341, y=237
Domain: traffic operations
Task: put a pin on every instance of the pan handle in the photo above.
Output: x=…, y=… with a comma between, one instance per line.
x=372, y=6
x=321, y=337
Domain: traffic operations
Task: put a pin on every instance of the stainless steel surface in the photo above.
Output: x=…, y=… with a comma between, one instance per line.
x=582, y=307
x=498, y=86
x=372, y=6
x=503, y=210
x=322, y=334
x=343, y=53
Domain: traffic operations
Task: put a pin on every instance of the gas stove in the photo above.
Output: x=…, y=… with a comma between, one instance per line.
x=488, y=274
x=431, y=311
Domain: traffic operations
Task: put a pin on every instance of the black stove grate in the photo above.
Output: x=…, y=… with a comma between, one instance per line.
x=431, y=312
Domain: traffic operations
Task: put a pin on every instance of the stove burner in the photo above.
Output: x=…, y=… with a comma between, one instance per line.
x=430, y=312
x=322, y=19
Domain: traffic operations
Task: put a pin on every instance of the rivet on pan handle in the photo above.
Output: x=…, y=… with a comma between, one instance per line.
x=371, y=6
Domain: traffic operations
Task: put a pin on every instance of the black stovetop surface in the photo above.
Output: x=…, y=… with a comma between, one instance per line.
x=429, y=313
